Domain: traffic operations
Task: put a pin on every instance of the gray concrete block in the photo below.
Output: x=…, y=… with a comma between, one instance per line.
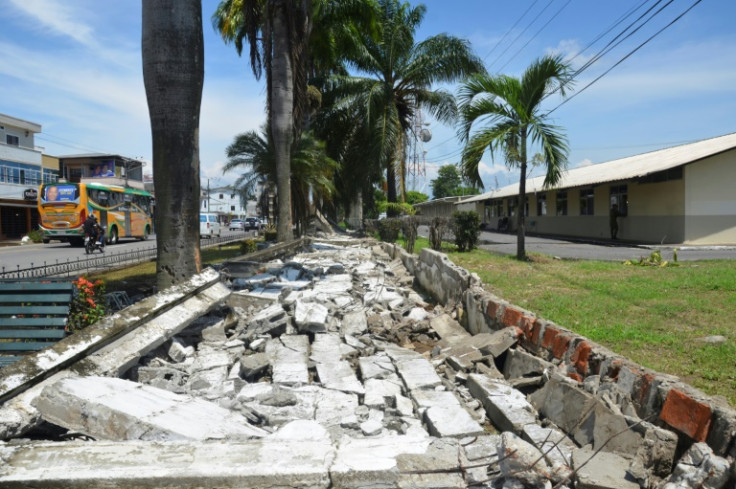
x=256, y=464
x=288, y=355
x=602, y=470
x=506, y=407
x=115, y=409
x=522, y=364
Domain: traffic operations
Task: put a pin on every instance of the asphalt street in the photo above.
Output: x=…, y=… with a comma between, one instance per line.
x=607, y=250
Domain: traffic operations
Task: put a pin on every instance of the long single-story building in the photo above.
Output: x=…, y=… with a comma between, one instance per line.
x=680, y=195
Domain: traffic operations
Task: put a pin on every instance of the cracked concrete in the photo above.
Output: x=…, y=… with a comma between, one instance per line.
x=328, y=369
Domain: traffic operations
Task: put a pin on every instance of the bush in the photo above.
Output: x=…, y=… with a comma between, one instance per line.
x=466, y=227
x=88, y=305
x=36, y=236
x=269, y=233
x=248, y=246
x=437, y=228
x=388, y=229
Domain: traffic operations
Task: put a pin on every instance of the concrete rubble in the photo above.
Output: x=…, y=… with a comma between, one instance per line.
x=329, y=369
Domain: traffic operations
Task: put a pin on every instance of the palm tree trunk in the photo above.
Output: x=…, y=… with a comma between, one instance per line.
x=172, y=50
x=282, y=111
x=520, y=232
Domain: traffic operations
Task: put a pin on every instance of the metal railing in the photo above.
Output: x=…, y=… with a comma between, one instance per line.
x=105, y=261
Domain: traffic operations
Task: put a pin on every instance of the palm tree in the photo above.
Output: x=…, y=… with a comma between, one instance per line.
x=311, y=168
x=276, y=32
x=397, y=80
x=513, y=108
x=173, y=72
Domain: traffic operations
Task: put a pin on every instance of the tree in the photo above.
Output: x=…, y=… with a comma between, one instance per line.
x=512, y=108
x=414, y=197
x=398, y=76
x=311, y=168
x=276, y=32
x=172, y=49
x=447, y=181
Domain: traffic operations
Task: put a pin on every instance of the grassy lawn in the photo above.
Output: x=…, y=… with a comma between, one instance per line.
x=653, y=315
x=142, y=277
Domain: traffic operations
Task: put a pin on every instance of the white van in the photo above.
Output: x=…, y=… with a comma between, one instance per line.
x=208, y=226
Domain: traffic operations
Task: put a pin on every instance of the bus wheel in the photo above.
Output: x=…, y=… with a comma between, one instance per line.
x=45, y=241
x=114, y=236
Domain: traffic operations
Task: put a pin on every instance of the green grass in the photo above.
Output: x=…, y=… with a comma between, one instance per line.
x=655, y=316
x=142, y=277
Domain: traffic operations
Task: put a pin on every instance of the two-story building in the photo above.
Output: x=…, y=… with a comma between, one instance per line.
x=23, y=167
x=226, y=203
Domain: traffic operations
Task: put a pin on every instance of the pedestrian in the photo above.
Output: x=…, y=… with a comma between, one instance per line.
x=614, y=221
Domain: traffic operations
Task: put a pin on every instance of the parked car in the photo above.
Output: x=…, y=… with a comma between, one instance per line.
x=208, y=225
x=253, y=223
x=236, y=225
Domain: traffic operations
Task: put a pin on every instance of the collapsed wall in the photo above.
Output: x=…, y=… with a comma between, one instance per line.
x=578, y=365
x=331, y=370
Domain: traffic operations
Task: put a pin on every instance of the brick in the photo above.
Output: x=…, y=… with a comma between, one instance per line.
x=511, y=316
x=575, y=376
x=580, y=357
x=687, y=415
x=527, y=326
x=560, y=344
x=536, y=332
x=492, y=309
x=549, y=336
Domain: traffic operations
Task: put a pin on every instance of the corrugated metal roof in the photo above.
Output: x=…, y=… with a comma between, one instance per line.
x=624, y=168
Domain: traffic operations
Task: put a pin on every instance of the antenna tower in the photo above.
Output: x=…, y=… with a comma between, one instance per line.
x=418, y=164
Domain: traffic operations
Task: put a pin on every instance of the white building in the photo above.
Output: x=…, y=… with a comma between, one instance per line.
x=23, y=168
x=226, y=203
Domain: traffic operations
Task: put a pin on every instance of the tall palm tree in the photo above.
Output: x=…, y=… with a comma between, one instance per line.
x=397, y=78
x=276, y=32
x=253, y=154
x=513, y=109
x=172, y=49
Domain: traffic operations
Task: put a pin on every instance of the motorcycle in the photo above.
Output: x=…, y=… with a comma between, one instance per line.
x=90, y=245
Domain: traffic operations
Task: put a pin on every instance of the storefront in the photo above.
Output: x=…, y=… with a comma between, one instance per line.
x=18, y=216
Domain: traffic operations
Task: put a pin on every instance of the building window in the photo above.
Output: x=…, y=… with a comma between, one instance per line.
x=513, y=204
x=232, y=207
x=620, y=197
x=586, y=201
x=542, y=204
x=221, y=195
x=561, y=201
x=12, y=140
x=232, y=196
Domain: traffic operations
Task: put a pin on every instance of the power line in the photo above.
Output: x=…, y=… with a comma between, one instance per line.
x=521, y=33
x=535, y=34
x=510, y=29
x=626, y=56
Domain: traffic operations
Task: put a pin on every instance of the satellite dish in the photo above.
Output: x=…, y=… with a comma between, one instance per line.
x=425, y=134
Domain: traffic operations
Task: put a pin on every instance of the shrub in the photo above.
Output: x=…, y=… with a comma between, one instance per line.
x=88, y=305
x=409, y=227
x=269, y=233
x=248, y=246
x=388, y=229
x=437, y=228
x=36, y=236
x=466, y=227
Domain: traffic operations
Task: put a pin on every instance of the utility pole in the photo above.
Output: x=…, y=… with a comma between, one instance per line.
x=208, y=195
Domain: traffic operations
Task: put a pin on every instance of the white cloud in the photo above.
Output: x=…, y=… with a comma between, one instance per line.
x=58, y=17
x=583, y=163
x=569, y=49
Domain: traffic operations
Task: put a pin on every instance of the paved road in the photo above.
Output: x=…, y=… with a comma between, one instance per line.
x=603, y=250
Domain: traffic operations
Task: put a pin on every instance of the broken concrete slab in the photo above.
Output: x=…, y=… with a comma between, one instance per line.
x=377, y=366
x=115, y=409
x=353, y=323
x=556, y=448
x=601, y=470
x=699, y=468
x=310, y=317
x=521, y=364
x=522, y=461
x=380, y=393
x=257, y=464
x=418, y=373
x=446, y=327
x=506, y=407
x=288, y=355
x=254, y=366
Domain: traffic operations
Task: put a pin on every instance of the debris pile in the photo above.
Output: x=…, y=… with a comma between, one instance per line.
x=335, y=348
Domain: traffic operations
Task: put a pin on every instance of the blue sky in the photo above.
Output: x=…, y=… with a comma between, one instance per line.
x=74, y=67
